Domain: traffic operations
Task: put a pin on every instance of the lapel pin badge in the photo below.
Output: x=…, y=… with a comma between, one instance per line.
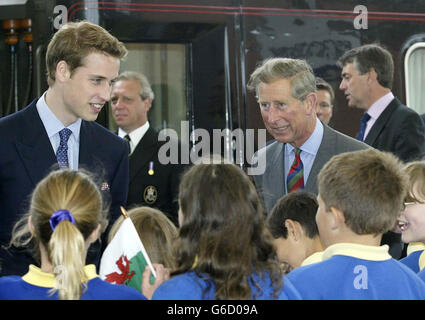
x=105, y=186
x=151, y=171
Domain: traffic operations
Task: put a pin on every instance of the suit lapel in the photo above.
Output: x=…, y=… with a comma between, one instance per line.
x=380, y=123
x=33, y=145
x=276, y=172
x=144, y=151
x=322, y=156
x=88, y=146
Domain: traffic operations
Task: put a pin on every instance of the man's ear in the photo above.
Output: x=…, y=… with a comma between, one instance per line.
x=63, y=72
x=311, y=101
x=372, y=75
x=294, y=230
x=148, y=105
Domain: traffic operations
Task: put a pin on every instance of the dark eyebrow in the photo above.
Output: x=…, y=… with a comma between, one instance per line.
x=97, y=76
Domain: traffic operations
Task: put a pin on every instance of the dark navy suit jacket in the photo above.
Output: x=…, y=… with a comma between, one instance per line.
x=164, y=181
x=399, y=130
x=27, y=156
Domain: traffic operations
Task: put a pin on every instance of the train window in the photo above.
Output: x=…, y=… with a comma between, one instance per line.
x=164, y=66
x=414, y=66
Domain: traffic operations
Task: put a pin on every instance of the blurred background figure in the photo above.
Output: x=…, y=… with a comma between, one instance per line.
x=325, y=100
x=152, y=183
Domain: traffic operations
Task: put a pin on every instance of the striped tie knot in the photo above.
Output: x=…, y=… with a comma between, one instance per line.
x=295, y=179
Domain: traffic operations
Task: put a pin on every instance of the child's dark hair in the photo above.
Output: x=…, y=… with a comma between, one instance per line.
x=300, y=206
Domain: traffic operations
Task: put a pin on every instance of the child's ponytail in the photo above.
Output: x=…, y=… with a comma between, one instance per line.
x=66, y=250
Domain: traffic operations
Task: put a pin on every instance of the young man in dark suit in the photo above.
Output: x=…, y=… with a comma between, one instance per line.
x=387, y=124
x=152, y=183
x=58, y=129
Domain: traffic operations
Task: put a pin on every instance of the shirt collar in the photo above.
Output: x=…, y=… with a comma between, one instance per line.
x=359, y=251
x=379, y=105
x=39, y=278
x=312, y=144
x=135, y=135
x=51, y=123
x=415, y=246
x=315, y=257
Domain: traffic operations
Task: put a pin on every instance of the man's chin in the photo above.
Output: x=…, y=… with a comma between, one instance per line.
x=281, y=138
x=353, y=104
x=91, y=117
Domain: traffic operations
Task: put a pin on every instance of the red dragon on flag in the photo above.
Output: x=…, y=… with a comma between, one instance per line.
x=123, y=265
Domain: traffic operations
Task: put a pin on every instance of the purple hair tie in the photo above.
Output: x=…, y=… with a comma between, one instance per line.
x=59, y=216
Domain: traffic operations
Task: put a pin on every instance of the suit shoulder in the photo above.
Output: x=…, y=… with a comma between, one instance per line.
x=344, y=142
x=270, y=147
x=10, y=121
x=106, y=135
x=402, y=112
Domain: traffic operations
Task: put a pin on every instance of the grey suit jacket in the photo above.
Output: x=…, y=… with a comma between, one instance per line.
x=271, y=185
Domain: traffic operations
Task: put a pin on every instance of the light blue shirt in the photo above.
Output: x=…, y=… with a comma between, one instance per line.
x=53, y=125
x=308, y=152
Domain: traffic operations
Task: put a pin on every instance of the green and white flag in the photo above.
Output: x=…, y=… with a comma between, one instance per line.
x=125, y=258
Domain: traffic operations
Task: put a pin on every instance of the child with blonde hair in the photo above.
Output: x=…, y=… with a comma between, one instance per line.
x=411, y=221
x=66, y=215
x=156, y=232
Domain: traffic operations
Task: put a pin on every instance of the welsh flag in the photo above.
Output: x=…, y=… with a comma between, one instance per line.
x=125, y=258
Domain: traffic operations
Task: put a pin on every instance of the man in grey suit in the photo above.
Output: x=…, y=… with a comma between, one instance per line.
x=286, y=92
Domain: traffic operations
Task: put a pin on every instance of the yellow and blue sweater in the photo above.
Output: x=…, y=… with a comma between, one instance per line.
x=36, y=284
x=357, y=272
x=415, y=258
x=190, y=286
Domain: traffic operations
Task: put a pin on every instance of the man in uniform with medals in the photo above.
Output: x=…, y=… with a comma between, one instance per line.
x=151, y=183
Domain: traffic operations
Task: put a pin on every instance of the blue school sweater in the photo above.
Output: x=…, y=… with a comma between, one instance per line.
x=189, y=286
x=421, y=275
x=414, y=252
x=35, y=285
x=357, y=272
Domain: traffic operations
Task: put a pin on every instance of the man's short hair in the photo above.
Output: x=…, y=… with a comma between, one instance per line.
x=371, y=56
x=74, y=41
x=299, y=72
x=145, y=87
x=300, y=206
x=368, y=186
x=323, y=85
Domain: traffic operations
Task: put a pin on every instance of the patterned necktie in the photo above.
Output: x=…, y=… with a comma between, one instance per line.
x=363, y=122
x=295, y=178
x=62, y=152
x=127, y=138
